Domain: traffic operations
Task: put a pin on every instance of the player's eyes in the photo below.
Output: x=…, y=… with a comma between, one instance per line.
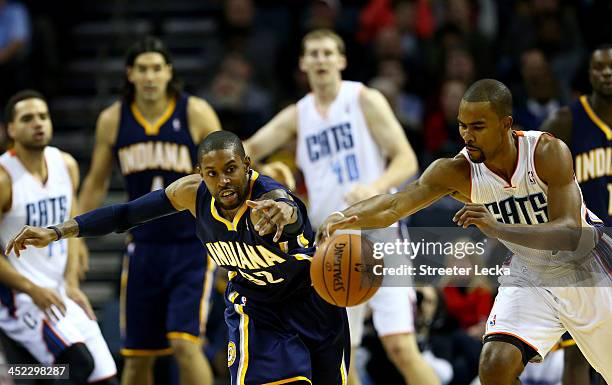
x=211, y=173
x=230, y=170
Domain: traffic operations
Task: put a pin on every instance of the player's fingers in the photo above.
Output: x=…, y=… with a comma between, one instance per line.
x=267, y=229
x=84, y=303
x=459, y=213
x=253, y=204
x=279, y=232
x=9, y=247
x=274, y=210
x=59, y=303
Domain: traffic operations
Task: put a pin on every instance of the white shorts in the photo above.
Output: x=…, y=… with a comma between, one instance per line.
x=26, y=324
x=392, y=313
x=392, y=307
x=538, y=316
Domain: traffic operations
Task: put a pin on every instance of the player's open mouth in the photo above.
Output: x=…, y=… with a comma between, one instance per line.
x=227, y=194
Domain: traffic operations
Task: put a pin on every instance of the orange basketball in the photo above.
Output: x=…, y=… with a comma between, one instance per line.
x=342, y=270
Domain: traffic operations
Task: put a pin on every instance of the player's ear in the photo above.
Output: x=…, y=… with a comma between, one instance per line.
x=342, y=62
x=507, y=122
x=129, y=72
x=301, y=64
x=247, y=164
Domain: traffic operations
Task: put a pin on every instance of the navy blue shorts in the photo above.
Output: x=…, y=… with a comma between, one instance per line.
x=304, y=339
x=163, y=295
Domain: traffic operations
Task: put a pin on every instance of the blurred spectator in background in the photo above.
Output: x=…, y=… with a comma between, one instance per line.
x=391, y=80
x=242, y=106
x=540, y=92
x=551, y=27
x=14, y=43
x=441, y=134
x=240, y=33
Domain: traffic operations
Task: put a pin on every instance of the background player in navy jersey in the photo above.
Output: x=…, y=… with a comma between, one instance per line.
x=280, y=330
x=519, y=187
x=152, y=133
x=586, y=127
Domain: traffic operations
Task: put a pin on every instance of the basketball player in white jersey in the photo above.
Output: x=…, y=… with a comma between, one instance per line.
x=520, y=188
x=42, y=307
x=350, y=147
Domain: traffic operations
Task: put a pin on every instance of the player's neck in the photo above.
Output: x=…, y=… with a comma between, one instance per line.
x=326, y=93
x=602, y=105
x=152, y=110
x=504, y=163
x=33, y=161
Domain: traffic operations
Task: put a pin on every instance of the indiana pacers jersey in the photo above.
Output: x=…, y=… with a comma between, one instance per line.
x=151, y=157
x=335, y=151
x=524, y=201
x=591, y=146
x=259, y=268
x=36, y=204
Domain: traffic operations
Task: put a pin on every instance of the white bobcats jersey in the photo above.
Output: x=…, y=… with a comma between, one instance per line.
x=335, y=151
x=35, y=204
x=525, y=201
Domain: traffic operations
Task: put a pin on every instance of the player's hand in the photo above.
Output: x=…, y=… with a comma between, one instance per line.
x=49, y=302
x=270, y=215
x=280, y=172
x=75, y=294
x=335, y=221
x=83, y=258
x=359, y=193
x=35, y=236
x=477, y=215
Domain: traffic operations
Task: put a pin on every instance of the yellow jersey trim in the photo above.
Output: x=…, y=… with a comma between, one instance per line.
x=303, y=257
x=184, y=336
x=145, y=352
x=232, y=226
x=302, y=240
x=123, y=293
x=600, y=123
x=288, y=380
x=153, y=128
x=244, y=344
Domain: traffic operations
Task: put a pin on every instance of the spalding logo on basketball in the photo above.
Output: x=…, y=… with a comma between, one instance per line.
x=342, y=270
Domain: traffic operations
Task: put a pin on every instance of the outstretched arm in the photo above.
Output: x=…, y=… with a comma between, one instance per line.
x=442, y=177
x=180, y=195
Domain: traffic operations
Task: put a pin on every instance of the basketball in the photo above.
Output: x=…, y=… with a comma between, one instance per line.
x=342, y=270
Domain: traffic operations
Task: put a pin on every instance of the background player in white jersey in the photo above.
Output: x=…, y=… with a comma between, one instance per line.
x=350, y=147
x=519, y=188
x=43, y=308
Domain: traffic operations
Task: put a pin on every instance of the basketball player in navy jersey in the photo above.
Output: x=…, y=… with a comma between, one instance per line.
x=350, y=147
x=280, y=330
x=518, y=187
x=586, y=127
x=152, y=133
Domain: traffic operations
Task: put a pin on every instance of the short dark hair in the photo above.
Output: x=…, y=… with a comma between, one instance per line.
x=221, y=140
x=492, y=91
x=601, y=47
x=9, y=111
x=148, y=44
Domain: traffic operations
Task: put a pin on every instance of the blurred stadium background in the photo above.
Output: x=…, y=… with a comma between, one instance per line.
x=241, y=56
